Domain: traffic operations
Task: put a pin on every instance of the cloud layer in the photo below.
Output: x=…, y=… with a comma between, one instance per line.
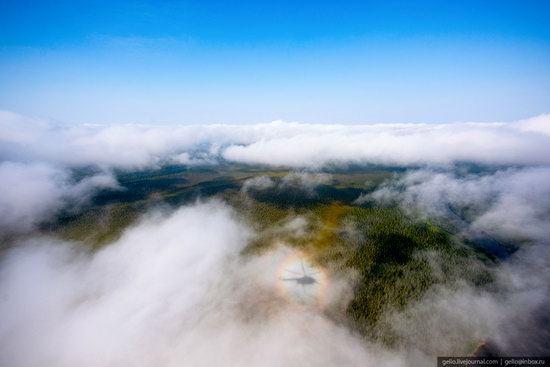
x=34, y=192
x=278, y=143
x=510, y=204
x=305, y=182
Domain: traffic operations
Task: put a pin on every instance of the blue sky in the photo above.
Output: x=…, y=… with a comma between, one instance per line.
x=252, y=61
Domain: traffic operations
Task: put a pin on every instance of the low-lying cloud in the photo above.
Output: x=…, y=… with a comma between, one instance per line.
x=511, y=318
x=32, y=193
x=305, y=182
x=172, y=290
x=512, y=204
x=277, y=144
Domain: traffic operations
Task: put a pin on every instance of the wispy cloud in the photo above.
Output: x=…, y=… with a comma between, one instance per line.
x=34, y=192
x=512, y=204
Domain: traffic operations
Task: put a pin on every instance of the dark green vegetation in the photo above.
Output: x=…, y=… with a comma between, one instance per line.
x=396, y=257
x=399, y=259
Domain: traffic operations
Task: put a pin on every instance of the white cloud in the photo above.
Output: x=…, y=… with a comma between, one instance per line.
x=172, y=290
x=280, y=144
x=538, y=124
x=403, y=144
x=187, y=159
x=32, y=193
x=512, y=315
x=304, y=181
x=511, y=204
x=257, y=183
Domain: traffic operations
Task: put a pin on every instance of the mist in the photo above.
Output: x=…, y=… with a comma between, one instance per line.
x=35, y=192
x=512, y=203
